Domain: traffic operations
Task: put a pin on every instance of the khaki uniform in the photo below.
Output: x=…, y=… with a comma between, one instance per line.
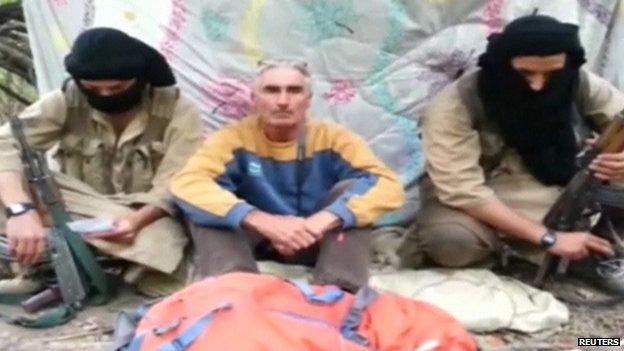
x=102, y=175
x=468, y=163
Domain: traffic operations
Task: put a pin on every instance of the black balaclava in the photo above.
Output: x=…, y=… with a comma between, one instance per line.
x=109, y=54
x=539, y=125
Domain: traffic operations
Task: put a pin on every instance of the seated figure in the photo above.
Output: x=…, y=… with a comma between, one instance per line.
x=501, y=143
x=277, y=185
x=122, y=131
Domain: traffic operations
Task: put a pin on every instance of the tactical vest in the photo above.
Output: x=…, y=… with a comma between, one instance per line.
x=84, y=155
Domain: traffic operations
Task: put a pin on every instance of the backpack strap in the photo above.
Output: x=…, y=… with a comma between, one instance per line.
x=350, y=324
x=135, y=344
x=125, y=327
x=329, y=297
x=188, y=337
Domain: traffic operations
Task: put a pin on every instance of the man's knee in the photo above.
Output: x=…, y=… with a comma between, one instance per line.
x=214, y=263
x=221, y=251
x=343, y=259
x=210, y=269
x=453, y=245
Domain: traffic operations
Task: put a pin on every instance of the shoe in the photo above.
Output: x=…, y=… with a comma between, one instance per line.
x=611, y=273
x=17, y=279
x=20, y=286
x=5, y=269
x=133, y=274
x=156, y=284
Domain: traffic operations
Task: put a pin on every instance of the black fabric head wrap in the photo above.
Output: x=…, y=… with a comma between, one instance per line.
x=538, y=124
x=110, y=54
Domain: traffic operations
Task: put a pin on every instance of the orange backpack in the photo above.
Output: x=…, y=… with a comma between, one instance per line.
x=244, y=311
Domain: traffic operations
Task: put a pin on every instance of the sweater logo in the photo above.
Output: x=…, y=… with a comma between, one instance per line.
x=254, y=168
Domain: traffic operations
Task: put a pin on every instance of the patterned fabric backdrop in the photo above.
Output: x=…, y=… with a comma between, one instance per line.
x=375, y=63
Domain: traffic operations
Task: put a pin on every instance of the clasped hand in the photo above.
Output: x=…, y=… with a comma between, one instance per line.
x=290, y=234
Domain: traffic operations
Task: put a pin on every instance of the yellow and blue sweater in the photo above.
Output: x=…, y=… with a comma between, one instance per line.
x=238, y=170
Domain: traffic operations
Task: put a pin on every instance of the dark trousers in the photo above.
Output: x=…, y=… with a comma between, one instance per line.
x=340, y=258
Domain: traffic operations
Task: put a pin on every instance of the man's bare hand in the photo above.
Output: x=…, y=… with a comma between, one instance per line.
x=608, y=166
x=284, y=250
x=286, y=233
x=320, y=223
x=27, y=237
x=579, y=245
x=129, y=226
x=125, y=230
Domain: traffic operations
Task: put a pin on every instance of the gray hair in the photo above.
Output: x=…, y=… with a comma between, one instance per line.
x=297, y=65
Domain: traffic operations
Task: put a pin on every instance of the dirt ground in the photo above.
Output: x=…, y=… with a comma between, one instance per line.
x=92, y=329
x=592, y=314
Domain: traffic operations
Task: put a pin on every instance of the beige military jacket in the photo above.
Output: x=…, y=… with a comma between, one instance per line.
x=463, y=152
x=136, y=167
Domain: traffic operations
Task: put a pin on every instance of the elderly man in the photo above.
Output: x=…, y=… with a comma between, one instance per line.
x=122, y=131
x=285, y=187
x=502, y=141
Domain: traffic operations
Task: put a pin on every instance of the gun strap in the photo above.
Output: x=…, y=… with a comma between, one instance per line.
x=13, y=299
x=100, y=288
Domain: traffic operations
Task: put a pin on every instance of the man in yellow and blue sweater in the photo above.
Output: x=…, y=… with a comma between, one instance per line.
x=277, y=185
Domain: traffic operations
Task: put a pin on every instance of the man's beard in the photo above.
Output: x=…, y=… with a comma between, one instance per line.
x=539, y=125
x=118, y=103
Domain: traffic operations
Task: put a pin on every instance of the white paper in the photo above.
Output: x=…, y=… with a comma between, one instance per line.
x=91, y=225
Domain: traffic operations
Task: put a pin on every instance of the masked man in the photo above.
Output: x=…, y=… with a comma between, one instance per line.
x=501, y=143
x=122, y=131
x=280, y=186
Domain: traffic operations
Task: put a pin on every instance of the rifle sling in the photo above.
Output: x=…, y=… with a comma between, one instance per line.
x=99, y=285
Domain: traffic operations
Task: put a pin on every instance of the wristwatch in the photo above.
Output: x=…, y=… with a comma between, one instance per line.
x=549, y=239
x=19, y=208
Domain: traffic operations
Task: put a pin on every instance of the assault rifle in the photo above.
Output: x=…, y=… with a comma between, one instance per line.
x=584, y=196
x=76, y=269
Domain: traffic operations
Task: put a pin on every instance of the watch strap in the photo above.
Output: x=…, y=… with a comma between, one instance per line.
x=24, y=207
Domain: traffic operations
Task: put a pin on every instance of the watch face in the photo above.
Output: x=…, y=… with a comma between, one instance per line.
x=18, y=209
x=548, y=239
